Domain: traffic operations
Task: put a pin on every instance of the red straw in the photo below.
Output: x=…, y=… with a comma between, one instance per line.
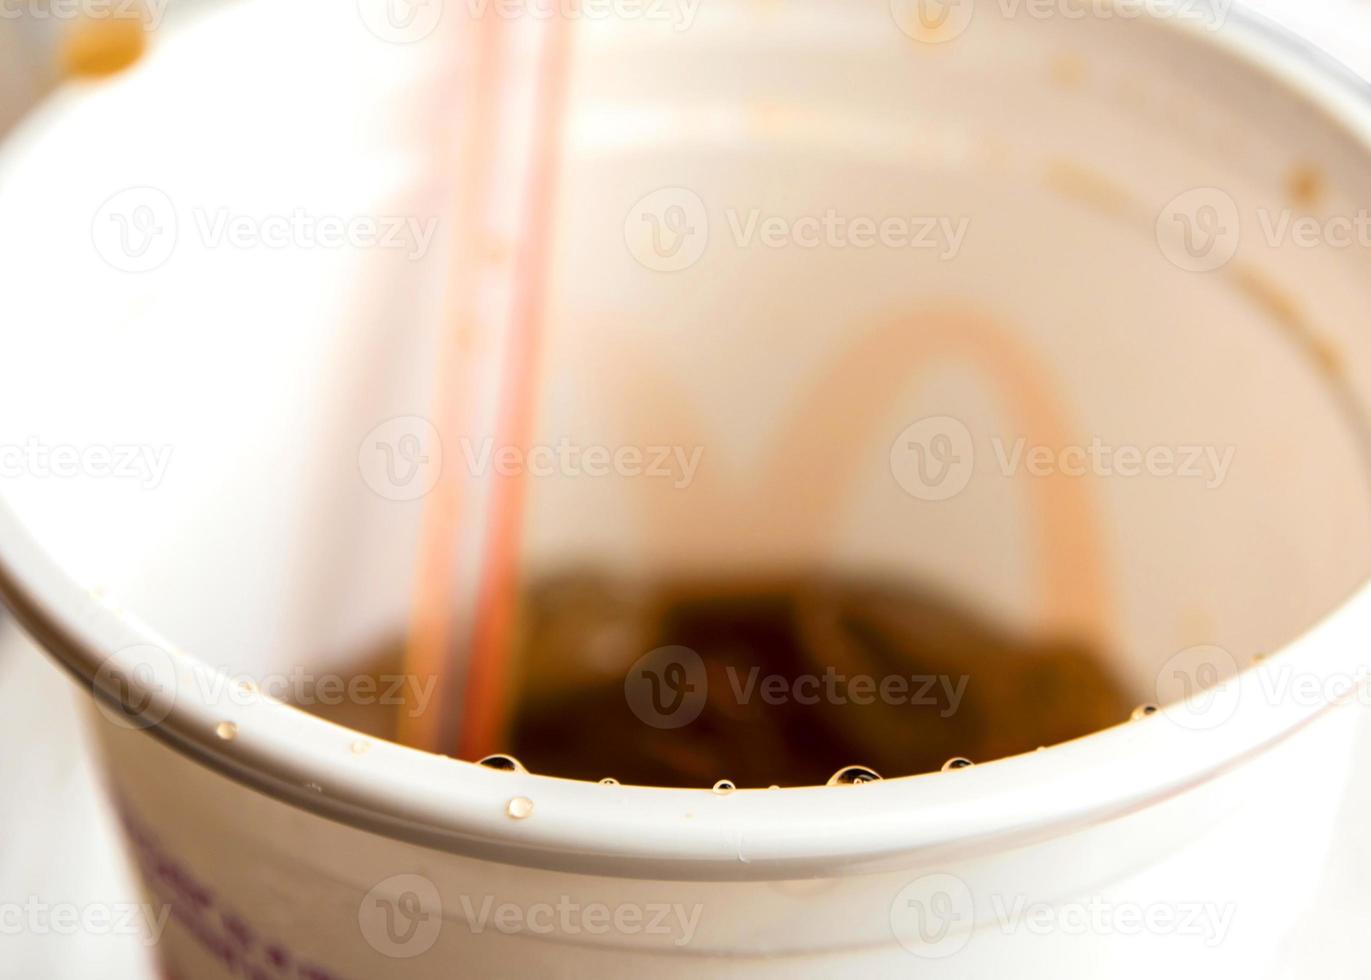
x=485, y=711
x=431, y=642
x=431, y=651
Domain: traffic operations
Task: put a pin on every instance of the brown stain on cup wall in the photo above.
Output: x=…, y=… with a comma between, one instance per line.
x=1305, y=186
x=99, y=47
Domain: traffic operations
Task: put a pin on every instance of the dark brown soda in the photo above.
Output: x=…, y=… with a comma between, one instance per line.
x=800, y=677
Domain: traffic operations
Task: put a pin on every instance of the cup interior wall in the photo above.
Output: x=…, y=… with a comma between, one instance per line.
x=790, y=285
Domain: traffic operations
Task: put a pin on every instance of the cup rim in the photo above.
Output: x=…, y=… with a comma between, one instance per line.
x=698, y=834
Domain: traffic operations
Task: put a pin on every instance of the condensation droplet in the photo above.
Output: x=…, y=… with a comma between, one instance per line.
x=957, y=763
x=853, y=776
x=361, y=747
x=1143, y=710
x=773, y=786
x=504, y=763
x=314, y=787
x=724, y=786
x=519, y=807
x=609, y=781
x=227, y=730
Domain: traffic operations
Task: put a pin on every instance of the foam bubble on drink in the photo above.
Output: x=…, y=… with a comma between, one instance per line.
x=853, y=776
x=504, y=763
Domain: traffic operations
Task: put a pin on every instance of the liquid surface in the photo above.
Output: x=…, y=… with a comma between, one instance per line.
x=779, y=682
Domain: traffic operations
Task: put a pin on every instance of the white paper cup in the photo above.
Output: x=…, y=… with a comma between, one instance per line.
x=1125, y=279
